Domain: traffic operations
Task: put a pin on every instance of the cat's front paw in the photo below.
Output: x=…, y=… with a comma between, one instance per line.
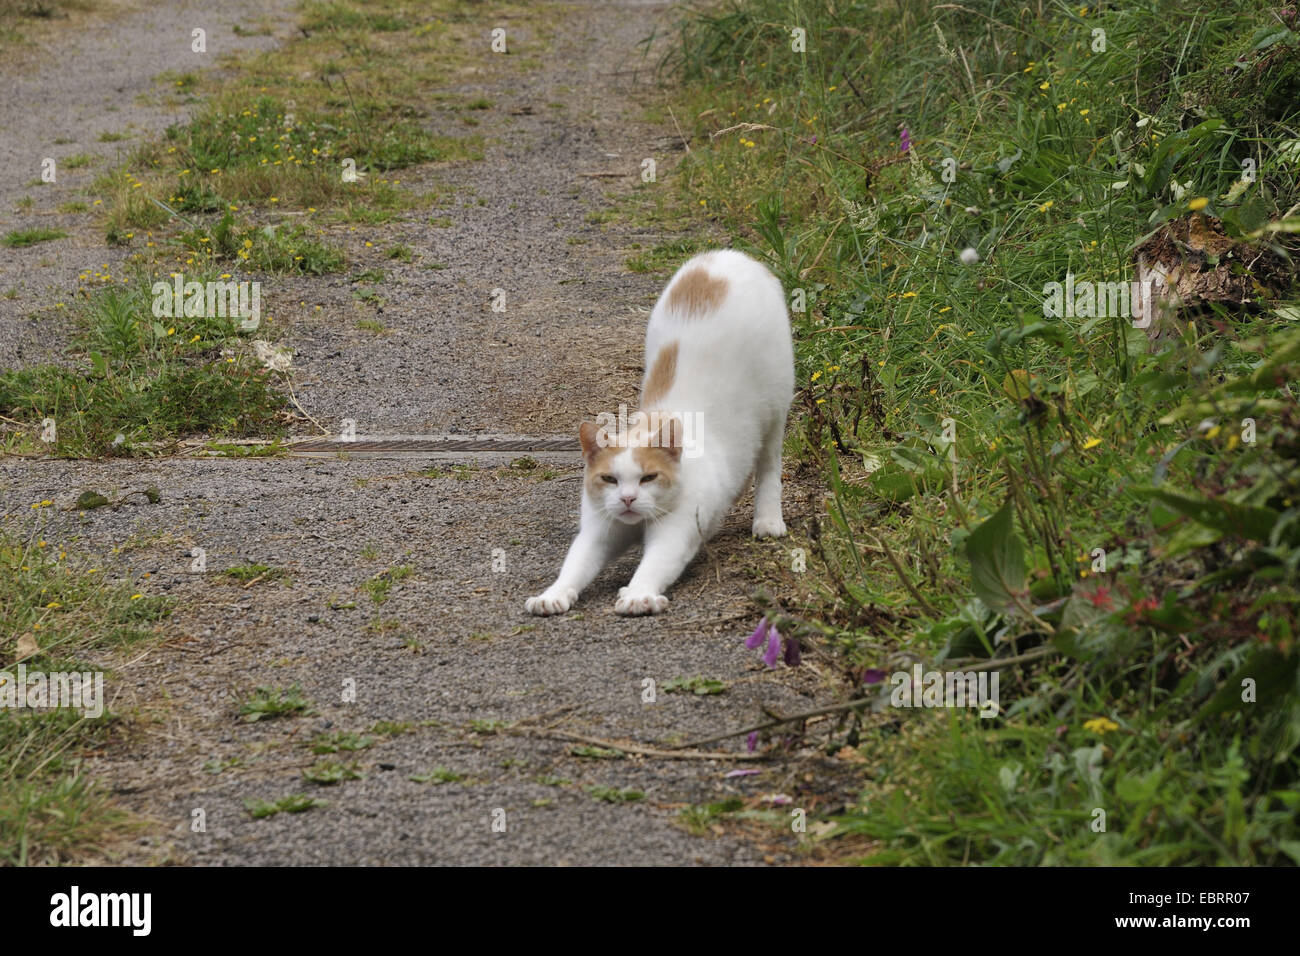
x=769, y=527
x=551, y=602
x=635, y=603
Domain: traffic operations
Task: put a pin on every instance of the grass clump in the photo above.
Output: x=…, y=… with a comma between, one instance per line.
x=58, y=617
x=22, y=238
x=140, y=380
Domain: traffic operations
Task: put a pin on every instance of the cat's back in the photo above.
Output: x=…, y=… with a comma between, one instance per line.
x=722, y=294
x=720, y=336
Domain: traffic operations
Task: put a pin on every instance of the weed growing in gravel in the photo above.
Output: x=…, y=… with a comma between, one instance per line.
x=333, y=743
x=329, y=772
x=21, y=238
x=294, y=803
x=268, y=703
x=246, y=573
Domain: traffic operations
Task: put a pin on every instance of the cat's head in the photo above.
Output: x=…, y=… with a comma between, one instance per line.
x=635, y=479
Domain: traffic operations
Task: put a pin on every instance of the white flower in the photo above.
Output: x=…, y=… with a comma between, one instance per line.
x=969, y=256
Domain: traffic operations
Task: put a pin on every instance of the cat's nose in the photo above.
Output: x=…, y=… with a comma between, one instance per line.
x=628, y=499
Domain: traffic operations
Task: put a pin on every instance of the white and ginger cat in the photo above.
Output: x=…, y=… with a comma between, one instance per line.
x=719, y=382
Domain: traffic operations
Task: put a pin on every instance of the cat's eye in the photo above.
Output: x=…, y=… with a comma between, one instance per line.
x=609, y=479
x=650, y=477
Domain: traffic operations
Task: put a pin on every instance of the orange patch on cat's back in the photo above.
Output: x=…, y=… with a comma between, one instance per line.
x=696, y=293
x=662, y=375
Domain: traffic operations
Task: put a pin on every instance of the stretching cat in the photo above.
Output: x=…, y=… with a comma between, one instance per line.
x=719, y=381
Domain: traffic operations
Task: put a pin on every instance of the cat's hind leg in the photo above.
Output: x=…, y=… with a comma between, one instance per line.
x=768, y=522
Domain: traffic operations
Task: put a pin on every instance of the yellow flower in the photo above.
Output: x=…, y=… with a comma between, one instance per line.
x=54, y=604
x=908, y=295
x=1197, y=204
x=136, y=597
x=1091, y=443
x=1044, y=85
x=1100, y=725
x=1046, y=206
x=946, y=308
x=816, y=375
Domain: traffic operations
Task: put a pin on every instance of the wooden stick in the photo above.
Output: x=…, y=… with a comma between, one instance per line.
x=675, y=754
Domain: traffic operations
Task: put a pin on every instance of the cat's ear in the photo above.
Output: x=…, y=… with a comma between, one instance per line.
x=671, y=437
x=589, y=435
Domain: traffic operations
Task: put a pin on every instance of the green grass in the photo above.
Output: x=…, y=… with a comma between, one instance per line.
x=268, y=703
x=247, y=573
x=700, y=686
x=340, y=741
x=978, y=453
x=294, y=803
x=380, y=586
x=145, y=379
x=329, y=772
x=58, y=615
x=22, y=238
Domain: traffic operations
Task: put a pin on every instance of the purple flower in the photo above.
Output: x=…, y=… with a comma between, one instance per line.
x=751, y=741
x=905, y=141
x=759, y=635
x=792, y=655
x=873, y=676
x=773, y=648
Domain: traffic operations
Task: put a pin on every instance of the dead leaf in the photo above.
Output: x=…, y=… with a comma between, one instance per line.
x=27, y=647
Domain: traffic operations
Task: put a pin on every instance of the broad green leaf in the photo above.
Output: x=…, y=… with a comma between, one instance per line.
x=997, y=561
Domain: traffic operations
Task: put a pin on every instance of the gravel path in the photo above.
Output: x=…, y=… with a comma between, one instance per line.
x=449, y=656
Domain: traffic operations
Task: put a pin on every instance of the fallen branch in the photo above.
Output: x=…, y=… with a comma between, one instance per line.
x=833, y=709
x=674, y=754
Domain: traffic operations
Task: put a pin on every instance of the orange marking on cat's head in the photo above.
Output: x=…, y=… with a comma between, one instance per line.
x=597, y=451
x=696, y=293
x=663, y=446
x=661, y=377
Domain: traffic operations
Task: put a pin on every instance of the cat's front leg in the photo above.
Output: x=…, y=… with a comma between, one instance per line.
x=596, y=544
x=669, y=547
